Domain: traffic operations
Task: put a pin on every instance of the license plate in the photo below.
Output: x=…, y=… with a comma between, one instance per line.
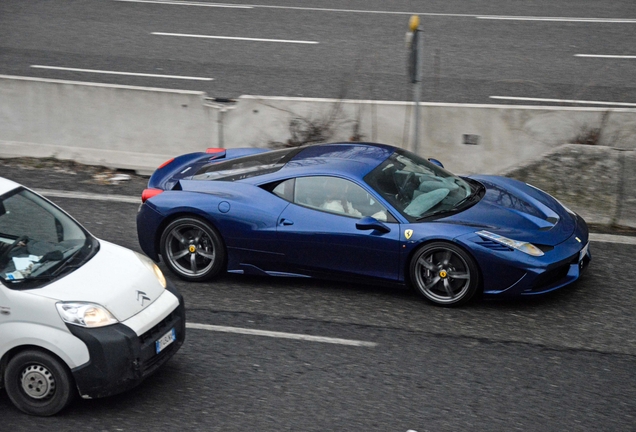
x=584, y=251
x=165, y=340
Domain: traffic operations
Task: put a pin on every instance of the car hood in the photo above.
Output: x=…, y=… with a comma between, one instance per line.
x=114, y=278
x=519, y=211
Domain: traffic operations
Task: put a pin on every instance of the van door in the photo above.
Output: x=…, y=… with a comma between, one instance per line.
x=5, y=318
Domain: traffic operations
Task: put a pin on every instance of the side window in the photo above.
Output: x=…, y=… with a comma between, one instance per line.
x=24, y=217
x=339, y=196
x=285, y=190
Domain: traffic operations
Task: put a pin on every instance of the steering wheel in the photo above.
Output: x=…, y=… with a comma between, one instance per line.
x=402, y=195
x=15, y=244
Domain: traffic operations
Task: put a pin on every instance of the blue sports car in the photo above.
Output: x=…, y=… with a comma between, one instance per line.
x=361, y=212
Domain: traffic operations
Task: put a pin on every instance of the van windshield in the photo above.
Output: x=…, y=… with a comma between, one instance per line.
x=38, y=241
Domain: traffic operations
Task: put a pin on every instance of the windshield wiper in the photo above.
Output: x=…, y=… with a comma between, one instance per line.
x=470, y=197
x=437, y=212
x=456, y=207
x=67, y=263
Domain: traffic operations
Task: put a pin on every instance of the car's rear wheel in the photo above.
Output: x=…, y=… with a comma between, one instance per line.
x=444, y=274
x=38, y=383
x=192, y=249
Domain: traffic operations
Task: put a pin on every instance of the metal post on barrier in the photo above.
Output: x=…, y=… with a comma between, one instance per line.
x=414, y=44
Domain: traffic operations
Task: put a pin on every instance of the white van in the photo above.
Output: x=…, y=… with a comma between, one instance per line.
x=77, y=315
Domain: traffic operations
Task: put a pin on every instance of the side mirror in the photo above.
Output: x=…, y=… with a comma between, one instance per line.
x=369, y=223
x=436, y=162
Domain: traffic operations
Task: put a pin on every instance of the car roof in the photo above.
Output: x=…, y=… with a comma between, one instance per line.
x=354, y=159
x=7, y=185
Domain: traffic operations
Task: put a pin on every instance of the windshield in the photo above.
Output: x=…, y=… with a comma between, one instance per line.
x=38, y=241
x=417, y=188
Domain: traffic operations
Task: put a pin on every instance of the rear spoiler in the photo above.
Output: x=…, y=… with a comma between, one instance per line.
x=180, y=165
x=171, y=171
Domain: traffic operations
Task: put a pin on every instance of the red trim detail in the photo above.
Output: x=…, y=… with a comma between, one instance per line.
x=149, y=193
x=165, y=163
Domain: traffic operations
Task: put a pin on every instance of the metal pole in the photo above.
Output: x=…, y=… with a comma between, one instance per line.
x=416, y=78
x=417, y=88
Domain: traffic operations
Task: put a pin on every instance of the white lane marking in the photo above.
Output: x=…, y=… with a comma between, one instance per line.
x=602, y=238
x=281, y=335
x=459, y=15
x=571, y=101
x=612, y=238
x=189, y=3
x=235, y=38
x=558, y=19
x=88, y=196
x=122, y=73
x=606, y=56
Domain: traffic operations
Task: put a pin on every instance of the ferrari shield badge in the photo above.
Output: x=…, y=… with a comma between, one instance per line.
x=408, y=233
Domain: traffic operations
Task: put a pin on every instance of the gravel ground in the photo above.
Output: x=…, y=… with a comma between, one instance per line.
x=50, y=173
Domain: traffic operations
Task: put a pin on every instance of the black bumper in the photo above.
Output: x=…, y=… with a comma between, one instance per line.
x=119, y=359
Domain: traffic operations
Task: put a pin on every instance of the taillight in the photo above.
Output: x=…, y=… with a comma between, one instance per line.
x=165, y=163
x=149, y=193
x=214, y=150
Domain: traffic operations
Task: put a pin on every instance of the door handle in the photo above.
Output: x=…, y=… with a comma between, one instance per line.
x=286, y=222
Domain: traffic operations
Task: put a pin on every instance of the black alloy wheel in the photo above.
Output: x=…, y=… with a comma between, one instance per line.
x=444, y=274
x=192, y=249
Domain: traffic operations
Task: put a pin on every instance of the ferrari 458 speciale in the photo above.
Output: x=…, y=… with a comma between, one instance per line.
x=360, y=212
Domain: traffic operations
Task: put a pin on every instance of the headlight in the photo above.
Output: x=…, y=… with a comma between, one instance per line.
x=153, y=267
x=522, y=246
x=85, y=314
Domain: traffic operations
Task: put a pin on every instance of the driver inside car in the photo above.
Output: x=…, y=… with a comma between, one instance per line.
x=337, y=200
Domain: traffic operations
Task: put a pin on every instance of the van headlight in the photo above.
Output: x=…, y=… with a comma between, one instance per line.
x=522, y=246
x=152, y=267
x=85, y=314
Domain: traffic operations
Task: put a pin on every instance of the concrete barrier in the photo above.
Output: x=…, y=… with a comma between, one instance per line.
x=597, y=182
x=138, y=128
x=467, y=138
x=118, y=126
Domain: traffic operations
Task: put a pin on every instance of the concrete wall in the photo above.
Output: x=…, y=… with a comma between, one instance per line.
x=117, y=126
x=598, y=182
x=138, y=128
x=498, y=136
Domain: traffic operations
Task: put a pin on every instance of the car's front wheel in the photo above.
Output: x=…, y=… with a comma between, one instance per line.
x=192, y=249
x=444, y=274
x=38, y=383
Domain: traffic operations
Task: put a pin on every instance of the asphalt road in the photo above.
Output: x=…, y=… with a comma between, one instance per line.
x=500, y=51
x=562, y=362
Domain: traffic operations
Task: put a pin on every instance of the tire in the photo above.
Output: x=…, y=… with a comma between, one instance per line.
x=38, y=383
x=192, y=249
x=444, y=274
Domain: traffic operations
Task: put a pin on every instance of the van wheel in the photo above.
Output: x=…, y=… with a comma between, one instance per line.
x=38, y=383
